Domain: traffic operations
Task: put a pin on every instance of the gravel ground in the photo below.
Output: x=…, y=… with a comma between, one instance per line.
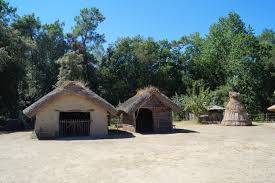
x=205, y=153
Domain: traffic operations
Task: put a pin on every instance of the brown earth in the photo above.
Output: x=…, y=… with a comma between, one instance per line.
x=206, y=153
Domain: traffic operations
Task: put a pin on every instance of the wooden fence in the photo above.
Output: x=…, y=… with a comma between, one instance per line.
x=263, y=117
x=74, y=127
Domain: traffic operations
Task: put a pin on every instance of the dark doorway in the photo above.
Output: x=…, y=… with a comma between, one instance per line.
x=74, y=124
x=144, y=121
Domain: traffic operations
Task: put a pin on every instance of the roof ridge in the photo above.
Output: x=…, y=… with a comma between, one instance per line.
x=79, y=90
x=134, y=102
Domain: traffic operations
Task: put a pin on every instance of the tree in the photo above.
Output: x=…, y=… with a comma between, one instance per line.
x=7, y=13
x=51, y=45
x=197, y=99
x=133, y=63
x=267, y=38
x=229, y=57
x=85, y=28
x=232, y=55
x=47, y=44
x=70, y=67
x=87, y=41
x=28, y=26
x=13, y=51
x=180, y=101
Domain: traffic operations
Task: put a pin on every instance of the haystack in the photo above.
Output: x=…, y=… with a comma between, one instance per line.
x=235, y=113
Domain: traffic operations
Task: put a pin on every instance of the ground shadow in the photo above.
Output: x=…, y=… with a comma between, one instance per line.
x=13, y=131
x=253, y=124
x=180, y=130
x=112, y=134
x=174, y=131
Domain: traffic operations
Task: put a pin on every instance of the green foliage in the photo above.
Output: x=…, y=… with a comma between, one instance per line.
x=267, y=36
x=133, y=63
x=28, y=26
x=197, y=99
x=27, y=65
x=87, y=41
x=7, y=12
x=85, y=28
x=36, y=57
x=220, y=95
x=12, y=57
x=180, y=101
x=51, y=45
x=70, y=68
x=268, y=39
x=231, y=55
x=46, y=45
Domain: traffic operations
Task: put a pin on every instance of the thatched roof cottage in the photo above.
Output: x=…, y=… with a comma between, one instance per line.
x=235, y=113
x=147, y=111
x=71, y=110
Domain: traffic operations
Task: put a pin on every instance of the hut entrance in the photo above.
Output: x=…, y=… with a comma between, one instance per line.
x=74, y=124
x=144, y=121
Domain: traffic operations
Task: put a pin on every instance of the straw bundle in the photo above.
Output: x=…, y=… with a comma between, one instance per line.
x=235, y=113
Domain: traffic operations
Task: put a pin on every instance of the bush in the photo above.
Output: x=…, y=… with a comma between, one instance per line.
x=196, y=101
x=179, y=100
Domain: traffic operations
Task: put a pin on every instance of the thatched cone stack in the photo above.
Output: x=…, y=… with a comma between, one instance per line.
x=235, y=113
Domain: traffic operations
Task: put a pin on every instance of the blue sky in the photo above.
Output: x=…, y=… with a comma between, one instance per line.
x=160, y=19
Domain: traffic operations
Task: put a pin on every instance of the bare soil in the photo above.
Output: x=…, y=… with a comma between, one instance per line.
x=199, y=153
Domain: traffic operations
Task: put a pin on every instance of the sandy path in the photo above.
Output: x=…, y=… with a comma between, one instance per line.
x=214, y=154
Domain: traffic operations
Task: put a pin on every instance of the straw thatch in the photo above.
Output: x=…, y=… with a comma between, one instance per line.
x=148, y=111
x=69, y=87
x=143, y=95
x=271, y=108
x=149, y=89
x=235, y=113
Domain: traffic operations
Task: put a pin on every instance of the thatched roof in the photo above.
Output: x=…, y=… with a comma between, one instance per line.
x=271, y=108
x=69, y=87
x=143, y=95
x=235, y=112
x=234, y=104
x=215, y=108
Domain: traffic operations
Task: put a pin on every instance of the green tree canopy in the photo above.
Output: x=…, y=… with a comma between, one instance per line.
x=70, y=68
x=36, y=57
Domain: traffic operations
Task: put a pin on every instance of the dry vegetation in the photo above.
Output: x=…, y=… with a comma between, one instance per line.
x=149, y=89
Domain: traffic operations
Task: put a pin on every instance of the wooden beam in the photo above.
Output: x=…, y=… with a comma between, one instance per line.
x=74, y=110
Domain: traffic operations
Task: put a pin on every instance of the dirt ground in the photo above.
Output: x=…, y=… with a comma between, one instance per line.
x=200, y=153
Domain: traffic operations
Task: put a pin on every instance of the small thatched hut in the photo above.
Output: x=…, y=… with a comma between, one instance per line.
x=70, y=110
x=235, y=113
x=215, y=113
x=147, y=111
